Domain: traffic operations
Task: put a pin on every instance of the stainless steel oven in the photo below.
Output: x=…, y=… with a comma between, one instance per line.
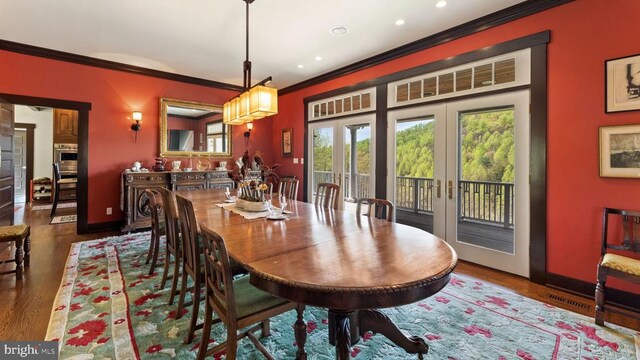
x=67, y=156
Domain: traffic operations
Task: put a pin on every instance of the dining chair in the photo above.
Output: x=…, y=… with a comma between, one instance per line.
x=288, y=188
x=158, y=228
x=621, y=233
x=192, y=264
x=378, y=208
x=236, y=303
x=327, y=195
x=172, y=243
x=61, y=185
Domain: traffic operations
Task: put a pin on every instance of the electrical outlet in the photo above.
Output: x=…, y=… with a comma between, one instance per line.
x=295, y=160
x=301, y=160
x=109, y=211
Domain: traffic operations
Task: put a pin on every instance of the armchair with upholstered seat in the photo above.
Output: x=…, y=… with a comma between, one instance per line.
x=621, y=258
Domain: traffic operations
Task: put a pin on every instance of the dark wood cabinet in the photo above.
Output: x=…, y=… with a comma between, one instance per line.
x=135, y=203
x=65, y=126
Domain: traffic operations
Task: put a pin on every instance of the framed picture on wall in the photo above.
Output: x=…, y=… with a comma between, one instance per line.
x=620, y=151
x=623, y=84
x=287, y=142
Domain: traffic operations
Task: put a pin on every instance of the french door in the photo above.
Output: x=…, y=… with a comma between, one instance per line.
x=461, y=171
x=342, y=152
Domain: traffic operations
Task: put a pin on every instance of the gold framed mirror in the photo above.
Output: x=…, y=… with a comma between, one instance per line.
x=189, y=128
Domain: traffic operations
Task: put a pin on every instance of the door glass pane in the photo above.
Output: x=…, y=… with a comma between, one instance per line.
x=357, y=160
x=414, y=172
x=322, y=156
x=486, y=184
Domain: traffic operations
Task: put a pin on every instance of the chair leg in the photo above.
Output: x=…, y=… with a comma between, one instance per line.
x=232, y=342
x=165, y=268
x=27, y=250
x=183, y=291
x=206, y=332
x=265, y=329
x=154, y=255
x=151, y=246
x=194, y=313
x=19, y=258
x=600, y=295
x=176, y=276
x=55, y=201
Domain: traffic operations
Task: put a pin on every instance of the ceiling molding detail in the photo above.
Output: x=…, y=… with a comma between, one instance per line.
x=111, y=65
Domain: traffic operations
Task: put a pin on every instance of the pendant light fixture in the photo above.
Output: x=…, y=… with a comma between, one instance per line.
x=256, y=101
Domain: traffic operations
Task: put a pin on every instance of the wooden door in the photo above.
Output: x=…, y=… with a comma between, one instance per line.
x=6, y=163
x=65, y=126
x=20, y=164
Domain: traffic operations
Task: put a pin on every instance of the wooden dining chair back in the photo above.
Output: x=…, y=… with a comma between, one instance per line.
x=191, y=261
x=327, y=195
x=621, y=233
x=60, y=185
x=378, y=208
x=172, y=244
x=158, y=228
x=236, y=303
x=288, y=188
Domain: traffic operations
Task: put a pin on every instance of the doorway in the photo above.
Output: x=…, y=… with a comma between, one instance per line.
x=460, y=170
x=342, y=152
x=83, y=109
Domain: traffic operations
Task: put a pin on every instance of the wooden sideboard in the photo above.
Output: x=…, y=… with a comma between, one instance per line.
x=135, y=203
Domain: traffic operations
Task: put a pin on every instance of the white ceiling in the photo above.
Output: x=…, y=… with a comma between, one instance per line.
x=206, y=38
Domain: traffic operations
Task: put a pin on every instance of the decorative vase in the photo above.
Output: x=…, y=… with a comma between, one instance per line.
x=254, y=206
x=160, y=162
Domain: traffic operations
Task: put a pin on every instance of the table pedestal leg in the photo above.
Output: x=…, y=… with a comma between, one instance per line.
x=346, y=327
x=300, y=333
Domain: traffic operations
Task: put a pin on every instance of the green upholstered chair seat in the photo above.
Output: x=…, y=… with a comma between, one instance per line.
x=13, y=232
x=622, y=263
x=250, y=300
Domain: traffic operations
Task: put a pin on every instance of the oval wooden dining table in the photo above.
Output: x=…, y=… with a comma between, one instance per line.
x=336, y=260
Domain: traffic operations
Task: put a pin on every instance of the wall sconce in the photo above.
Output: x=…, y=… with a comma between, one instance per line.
x=137, y=116
x=248, y=133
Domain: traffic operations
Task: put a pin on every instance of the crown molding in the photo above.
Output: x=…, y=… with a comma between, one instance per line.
x=111, y=65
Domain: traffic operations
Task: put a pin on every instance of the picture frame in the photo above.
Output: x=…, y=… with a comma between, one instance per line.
x=620, y=151
x=622, y=84
x=287, y=142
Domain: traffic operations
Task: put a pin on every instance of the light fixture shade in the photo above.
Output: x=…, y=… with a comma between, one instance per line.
x=230, y=112
x=249, y=126
x=137, y=116
x=264, y=101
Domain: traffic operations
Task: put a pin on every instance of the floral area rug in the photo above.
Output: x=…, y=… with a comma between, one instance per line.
x=109, y=308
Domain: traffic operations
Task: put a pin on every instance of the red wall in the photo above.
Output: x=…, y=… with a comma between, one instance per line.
x=113, y=95
x=584, y=33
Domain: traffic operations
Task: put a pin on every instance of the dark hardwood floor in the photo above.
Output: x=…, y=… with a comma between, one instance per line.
x=25, y=305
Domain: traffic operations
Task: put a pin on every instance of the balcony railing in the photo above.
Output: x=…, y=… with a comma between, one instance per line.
x=362, y=183
x=478, y=201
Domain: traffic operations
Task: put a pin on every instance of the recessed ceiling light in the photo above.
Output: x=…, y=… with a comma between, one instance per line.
x=300, y=66
x=441, y=4
x=399, y=22
x=318, y=58
x=339, y=30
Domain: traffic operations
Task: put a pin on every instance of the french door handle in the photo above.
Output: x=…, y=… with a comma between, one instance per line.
x=340, y=179
x=450, y=189
x=438, y=188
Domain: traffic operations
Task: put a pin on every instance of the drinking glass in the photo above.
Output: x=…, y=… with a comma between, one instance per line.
x=283, y=203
